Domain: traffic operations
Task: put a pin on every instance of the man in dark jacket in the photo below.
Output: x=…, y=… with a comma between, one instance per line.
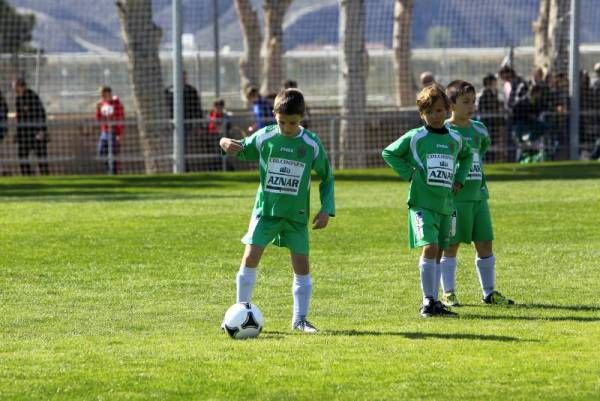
x=32, y=133
x=192, y=113
x=3, y=117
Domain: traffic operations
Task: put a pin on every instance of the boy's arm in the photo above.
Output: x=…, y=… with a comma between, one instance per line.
x=326, y=187
x=395, y=156
x=465, y=160
x=485, y=144
x=244, y=149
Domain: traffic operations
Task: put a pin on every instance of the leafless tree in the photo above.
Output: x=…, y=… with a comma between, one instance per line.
x=405, y=84
x=551, y=39
x=273, y=72
x=354, y=69
x=250, y=62
x=142, y=39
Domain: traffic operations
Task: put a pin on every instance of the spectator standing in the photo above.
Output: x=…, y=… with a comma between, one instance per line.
x=192, y=114
x=219, y=124
x=426, y=78
x=490, y=111
x=32, y=132
x=513, y=88
x=596, y=83
x=261, y=109
x=111, y=113
x=3, y=117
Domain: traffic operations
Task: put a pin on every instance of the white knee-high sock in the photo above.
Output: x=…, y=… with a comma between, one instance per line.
x=486, y=268
x=301, y=291
x=448, y=274
x=428, y=276
x=245, y=280
x=438, y=278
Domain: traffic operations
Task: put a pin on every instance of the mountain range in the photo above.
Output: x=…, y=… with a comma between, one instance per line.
x=93, y=26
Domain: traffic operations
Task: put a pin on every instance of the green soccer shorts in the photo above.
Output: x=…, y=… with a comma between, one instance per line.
x=280, y=231
x=427, y=227
x=473, y=222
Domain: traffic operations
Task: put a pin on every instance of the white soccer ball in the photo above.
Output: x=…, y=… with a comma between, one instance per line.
x=243, y=320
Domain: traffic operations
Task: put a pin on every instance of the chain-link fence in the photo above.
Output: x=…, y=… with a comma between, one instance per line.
x=103, y=71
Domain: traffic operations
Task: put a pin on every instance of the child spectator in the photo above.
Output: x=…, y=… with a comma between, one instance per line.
x=111, y=113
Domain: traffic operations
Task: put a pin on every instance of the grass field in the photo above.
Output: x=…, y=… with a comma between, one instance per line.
x=113, y=288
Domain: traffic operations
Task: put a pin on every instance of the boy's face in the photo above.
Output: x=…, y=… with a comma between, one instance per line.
x=436, y=115
x=106, y=96
x=464, y=108
x=289, y=124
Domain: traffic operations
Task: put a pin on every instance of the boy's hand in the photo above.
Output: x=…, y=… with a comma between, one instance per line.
x=230, y=146
x=320, y=221
x=457, y=186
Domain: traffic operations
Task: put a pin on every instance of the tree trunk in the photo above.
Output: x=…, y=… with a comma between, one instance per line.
x=540, y=30
x=142, y=40
x=405, y=84
x=250, y=62
x=273, y=71
x=552, y=36
x=354, y=69
x=558, y=35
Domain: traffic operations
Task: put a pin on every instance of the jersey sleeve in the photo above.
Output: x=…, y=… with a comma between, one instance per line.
x=465, y=160
x=249, y=150
x=395, y=155
x=485, y=138
x=323, y=169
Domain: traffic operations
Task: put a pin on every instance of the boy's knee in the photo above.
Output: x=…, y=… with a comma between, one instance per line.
x=484, y=249
x=431, y=251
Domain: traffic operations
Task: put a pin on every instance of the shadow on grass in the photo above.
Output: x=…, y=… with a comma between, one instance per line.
x=119, y=188
x=577, y=308
x=540, y=318
x=423, y=336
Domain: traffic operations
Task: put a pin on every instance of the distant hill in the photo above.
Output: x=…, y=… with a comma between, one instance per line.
x=93, y=25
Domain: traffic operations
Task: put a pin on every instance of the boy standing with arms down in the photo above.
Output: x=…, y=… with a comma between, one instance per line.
x=435, y=161
x=286, y=153
x=473, y=220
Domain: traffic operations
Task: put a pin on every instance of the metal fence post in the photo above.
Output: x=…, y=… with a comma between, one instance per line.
x=574, y=112
x=332, y=138
x=178, y=134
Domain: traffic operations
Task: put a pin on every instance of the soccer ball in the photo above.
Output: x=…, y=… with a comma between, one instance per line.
x=243, y=320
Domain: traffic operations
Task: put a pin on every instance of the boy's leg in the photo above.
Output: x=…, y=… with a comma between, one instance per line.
x=428, y=269
x=485, y=262
x=246, y=277
x=301, y=291
x=448, y=264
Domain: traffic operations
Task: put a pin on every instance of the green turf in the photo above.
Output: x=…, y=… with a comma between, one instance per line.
x=113, y=288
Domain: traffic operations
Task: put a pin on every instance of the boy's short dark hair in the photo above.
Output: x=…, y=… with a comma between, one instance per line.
x=219, y=102
x=289, y=101
x=488, y=79
x=457, y=88
x=105, y=89
x=429, y=95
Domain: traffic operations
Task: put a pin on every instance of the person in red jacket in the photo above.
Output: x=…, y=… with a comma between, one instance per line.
x=111, y=113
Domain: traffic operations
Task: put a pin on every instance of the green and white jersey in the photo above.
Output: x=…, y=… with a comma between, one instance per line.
x=285, y=166
x=432, y=162
x=478, y=138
